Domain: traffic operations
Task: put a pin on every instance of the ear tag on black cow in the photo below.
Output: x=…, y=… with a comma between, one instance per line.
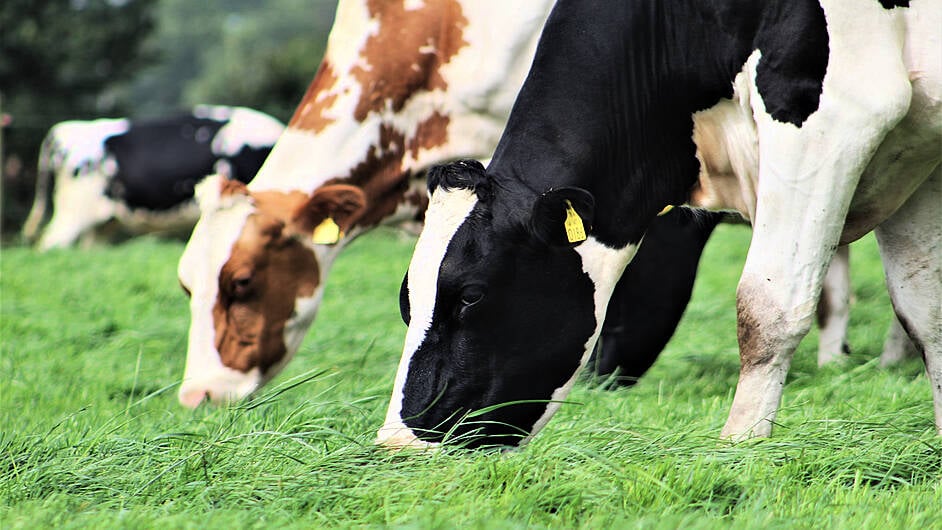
x=327, y=233
x=666, y=209
x=575, y=230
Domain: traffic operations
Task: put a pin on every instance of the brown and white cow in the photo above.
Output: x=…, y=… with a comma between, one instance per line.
x=403, y=85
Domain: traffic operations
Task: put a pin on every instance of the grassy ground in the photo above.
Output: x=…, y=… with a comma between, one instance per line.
x=91, y=436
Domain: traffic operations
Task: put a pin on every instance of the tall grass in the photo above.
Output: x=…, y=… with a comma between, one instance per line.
x=91, y=436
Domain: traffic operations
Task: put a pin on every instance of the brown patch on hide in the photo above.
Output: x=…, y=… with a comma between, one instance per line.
x=407, y=53
x=432, y=132
x=229, y=187
x=381, y=177
x=310, y=114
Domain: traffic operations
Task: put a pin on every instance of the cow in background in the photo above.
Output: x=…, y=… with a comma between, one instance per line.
x=136, y=177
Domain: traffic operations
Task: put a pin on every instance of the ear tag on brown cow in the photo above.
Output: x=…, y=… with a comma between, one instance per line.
x=327, y=233
x=575, y=230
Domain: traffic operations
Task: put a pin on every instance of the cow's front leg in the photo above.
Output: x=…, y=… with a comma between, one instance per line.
x=769, y=330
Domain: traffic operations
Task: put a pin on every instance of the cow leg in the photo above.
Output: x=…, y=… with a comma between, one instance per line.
x=80, y=205
x=834, y=309
x=652, y=294
x=911, y=248
x=808, y=172
x=898, y=346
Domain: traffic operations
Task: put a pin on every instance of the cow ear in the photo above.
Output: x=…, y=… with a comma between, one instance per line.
x=562, y=217
x=329, y=212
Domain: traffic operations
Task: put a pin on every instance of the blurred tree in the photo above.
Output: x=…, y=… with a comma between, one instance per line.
x=235, y=52
x=81, y=59
x=62, y=59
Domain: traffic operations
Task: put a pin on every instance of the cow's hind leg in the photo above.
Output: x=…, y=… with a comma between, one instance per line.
x=898, y=346
x=911, y=247
x=834, y=309
x=80, y=206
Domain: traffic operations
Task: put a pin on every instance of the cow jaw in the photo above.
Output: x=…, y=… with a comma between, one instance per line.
x=604, y=265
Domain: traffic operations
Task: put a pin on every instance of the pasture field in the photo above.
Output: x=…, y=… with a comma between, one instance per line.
x=91, y=435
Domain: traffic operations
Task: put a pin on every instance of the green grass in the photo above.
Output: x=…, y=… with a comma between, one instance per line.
x=91, y=436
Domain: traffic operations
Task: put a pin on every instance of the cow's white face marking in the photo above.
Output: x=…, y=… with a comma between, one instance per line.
x=447, y=210
x=206, y=252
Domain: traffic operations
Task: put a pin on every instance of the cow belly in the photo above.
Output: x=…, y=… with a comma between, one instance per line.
x=900, y=165
x=173, y=222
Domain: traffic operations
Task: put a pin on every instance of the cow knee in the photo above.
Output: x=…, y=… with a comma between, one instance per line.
x=768, y=330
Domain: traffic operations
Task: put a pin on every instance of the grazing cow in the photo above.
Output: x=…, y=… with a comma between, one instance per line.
x=403, y=85
x=817, y=122
x=141, y=174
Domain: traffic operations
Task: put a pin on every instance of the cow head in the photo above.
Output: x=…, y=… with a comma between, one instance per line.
x=503, y=298
x=254, y=269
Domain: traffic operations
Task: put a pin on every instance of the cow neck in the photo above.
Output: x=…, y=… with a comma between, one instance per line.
x=608, y=107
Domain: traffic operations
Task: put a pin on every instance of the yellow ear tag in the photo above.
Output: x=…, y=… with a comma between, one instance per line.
x=666, y=209
x=327, y=233
x=575, y=231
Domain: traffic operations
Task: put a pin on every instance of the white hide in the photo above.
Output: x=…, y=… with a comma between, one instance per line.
x=73, y=154
x=483, y=79
x=246, y=127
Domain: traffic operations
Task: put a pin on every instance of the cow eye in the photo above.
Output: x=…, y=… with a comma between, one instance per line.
x=241, y=286
x=471, y=295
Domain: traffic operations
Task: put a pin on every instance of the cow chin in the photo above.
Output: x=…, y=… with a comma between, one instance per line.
x=225, y=386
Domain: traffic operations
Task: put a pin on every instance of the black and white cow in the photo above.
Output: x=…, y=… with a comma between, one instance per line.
x=141, y=173
x=817, y=122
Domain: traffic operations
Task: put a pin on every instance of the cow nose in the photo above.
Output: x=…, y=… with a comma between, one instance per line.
x=192, y=398
x=395, y=439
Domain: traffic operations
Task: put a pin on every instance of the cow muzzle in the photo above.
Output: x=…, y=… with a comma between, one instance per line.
x=219, y=391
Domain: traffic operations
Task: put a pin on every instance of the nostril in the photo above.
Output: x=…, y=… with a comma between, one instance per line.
x=192, y=398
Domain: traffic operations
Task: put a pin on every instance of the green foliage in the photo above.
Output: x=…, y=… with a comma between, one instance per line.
x=61, y=60
x=91, y=436
x=82, y=59
x=57, y=57
x=257, y=54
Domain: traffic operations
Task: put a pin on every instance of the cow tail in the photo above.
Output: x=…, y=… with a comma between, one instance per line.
x=43, y=194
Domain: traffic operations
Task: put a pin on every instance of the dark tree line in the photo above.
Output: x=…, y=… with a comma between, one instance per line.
x=84, y=59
